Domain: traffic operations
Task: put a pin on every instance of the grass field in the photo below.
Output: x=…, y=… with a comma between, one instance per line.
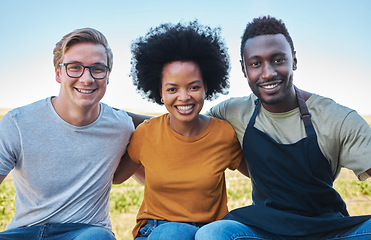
x=126, y=198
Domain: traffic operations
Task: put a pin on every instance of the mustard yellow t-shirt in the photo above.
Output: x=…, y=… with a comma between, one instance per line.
x=185, y=179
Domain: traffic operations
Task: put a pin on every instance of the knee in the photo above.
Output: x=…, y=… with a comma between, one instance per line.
x=220, y=230
x=364, y=228
x=209, y=232
x=174, y=230
x=95, y=233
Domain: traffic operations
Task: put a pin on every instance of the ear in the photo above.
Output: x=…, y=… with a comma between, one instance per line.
x=58, y=75
x=243, y=68
x=295, y=61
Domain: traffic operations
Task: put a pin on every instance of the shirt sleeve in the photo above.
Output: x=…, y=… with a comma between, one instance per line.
x=9, y=144
x=218, y=111
x=355, y=151
x=135, y=145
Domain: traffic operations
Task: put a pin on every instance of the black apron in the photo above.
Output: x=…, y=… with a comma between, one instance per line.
x=292, y=184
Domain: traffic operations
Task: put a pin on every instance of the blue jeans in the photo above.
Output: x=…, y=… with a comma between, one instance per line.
x=161, y=229
x=59, y=231
x=233, y=230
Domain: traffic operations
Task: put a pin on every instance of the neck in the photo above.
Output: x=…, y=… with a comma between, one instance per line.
x=280, y=107
x=190, y=129
x=75, y=116
x=288, y=104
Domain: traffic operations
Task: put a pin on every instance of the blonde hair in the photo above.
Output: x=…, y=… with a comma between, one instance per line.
x=78, y=36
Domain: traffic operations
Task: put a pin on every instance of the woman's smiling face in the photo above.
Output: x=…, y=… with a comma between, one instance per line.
x=182, y=90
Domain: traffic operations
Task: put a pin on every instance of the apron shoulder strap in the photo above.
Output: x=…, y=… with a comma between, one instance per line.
x=304, y=113
x=256, y=110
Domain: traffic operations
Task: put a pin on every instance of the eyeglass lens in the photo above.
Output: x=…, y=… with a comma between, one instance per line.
x=76, y=70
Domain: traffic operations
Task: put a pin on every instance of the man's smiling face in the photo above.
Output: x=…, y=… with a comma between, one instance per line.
x=268, y=64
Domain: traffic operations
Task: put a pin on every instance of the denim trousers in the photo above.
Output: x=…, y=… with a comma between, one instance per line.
x=166, y=230
x=233, y=230
x=59, y=231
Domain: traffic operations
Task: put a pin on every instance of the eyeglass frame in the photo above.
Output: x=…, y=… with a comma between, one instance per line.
x=86, y=67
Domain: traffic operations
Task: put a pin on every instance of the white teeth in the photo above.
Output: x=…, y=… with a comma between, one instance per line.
x=85, y=91
x=184, y=108
x=270, y=86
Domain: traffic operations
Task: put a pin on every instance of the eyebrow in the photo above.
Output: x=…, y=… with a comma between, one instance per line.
x=89, y=65
x=272, y=56
x=193, y=82
x=171, y=84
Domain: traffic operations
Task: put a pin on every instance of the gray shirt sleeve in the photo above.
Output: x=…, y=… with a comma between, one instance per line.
x=9, y=144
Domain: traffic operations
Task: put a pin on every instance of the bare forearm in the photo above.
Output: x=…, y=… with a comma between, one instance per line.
x=139, y=175
x=369, y=172
x=2, y=177
x=243, y=167
x=125, y=169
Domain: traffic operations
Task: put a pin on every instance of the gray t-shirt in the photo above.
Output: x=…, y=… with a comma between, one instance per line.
x=62, y=173
x=343, y=136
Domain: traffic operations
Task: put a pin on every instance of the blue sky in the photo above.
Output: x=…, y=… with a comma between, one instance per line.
x=332, y=39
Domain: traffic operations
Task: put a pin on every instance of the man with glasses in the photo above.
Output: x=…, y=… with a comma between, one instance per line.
x=63, y=150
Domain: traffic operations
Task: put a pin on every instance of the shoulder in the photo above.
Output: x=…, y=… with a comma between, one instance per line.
x=30, y=110
x=114, y=113
x=223, y=128
x=327, y=110
x=233, y=106
x=153, y=124
x=323, y=104
x=236, y=102
x=113, y=118
x=221, y=124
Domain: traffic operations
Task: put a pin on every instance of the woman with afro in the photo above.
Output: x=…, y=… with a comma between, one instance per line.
x=184, y=153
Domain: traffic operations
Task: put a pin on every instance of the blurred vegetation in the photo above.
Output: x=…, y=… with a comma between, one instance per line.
x=126, y=198
x=7, y=205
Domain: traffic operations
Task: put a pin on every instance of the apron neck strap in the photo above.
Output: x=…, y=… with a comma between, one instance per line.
x=256, y=110
x=304, y=113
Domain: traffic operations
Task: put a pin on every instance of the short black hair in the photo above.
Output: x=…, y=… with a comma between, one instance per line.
x=265, y=26
x=180, y=42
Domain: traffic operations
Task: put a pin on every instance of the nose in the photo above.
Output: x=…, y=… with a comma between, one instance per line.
x=184, y=95
x=86, y=77
x=268, y=71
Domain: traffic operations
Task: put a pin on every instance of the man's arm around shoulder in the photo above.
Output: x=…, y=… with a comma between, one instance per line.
x=125, y=169
x=137, y=118
x=369, y=172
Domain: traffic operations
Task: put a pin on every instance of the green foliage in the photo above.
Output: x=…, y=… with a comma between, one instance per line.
x=7, y=205
x=128, y=199
x=238, y=190
x=351, y=188
x=365, y=188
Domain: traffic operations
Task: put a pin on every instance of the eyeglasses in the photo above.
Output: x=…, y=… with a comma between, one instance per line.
x=76, y=70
